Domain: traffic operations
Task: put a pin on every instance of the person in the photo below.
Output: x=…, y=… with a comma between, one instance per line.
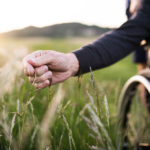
x=140, y=54
x=108, y=49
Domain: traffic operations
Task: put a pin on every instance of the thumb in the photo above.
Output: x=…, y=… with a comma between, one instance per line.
x=39, y=61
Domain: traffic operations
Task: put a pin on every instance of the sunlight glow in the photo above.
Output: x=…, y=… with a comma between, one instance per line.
x=15, y=14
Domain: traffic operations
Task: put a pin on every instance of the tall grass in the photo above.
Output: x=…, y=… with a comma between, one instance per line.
x=72, y=116
x=20, y=129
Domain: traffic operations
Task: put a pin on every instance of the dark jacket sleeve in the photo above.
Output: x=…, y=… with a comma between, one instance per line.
x=117, y=44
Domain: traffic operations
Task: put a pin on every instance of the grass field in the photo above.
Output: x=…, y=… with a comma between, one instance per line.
x=60, y=117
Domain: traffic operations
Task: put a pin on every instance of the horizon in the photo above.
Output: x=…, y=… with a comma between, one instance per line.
x=18, y=14
x=54, y=24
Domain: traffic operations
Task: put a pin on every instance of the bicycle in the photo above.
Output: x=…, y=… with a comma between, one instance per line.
x=126, y=119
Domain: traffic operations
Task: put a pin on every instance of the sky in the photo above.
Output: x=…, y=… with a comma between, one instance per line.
x=17, y=14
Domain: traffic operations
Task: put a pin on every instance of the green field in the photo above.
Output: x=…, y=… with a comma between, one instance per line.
x=34, y=125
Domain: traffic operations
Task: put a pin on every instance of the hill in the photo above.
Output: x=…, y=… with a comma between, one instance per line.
x=58, y=30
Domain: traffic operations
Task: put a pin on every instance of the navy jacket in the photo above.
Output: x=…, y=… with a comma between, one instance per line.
x=117, y=44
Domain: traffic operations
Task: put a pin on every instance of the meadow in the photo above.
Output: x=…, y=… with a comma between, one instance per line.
x=79, y=114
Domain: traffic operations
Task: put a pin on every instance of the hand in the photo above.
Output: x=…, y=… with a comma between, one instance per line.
x=49, y=64
x=135, y=4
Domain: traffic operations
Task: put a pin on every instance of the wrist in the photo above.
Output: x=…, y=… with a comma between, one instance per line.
x=74, y=64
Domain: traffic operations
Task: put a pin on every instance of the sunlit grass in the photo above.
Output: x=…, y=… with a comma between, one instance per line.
x=82, y=118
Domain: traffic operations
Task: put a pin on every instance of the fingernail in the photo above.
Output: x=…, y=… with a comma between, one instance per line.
x=46, y=82
x=45, y=69
x=31, y=79
x=48, y=75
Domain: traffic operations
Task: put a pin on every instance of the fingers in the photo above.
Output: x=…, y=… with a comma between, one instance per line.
x=41, y=70
x=35, y=67
x=42, y=85
x=42, y=60
x=37, y=71
x=42, y=81
x=28, y=68
x=41, y=78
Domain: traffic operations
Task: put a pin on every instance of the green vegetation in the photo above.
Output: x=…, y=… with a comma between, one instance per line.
x=80, y=114
x=58, y=31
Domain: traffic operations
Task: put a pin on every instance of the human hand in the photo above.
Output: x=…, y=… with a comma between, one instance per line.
x=49, y=64
x=135, y=4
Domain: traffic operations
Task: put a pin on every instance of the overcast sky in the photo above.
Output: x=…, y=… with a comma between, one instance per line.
x=16, y=14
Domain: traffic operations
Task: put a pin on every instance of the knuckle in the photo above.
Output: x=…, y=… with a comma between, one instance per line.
x=38, y=50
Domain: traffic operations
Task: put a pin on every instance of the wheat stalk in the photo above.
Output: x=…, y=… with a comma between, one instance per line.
x=71, y=140
x=11, y=130
x=92, y=101
x=99, y=123
x=107, y=109
x=95, y=91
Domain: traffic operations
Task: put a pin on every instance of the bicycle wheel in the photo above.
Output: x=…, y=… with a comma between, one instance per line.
x=133, y=117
